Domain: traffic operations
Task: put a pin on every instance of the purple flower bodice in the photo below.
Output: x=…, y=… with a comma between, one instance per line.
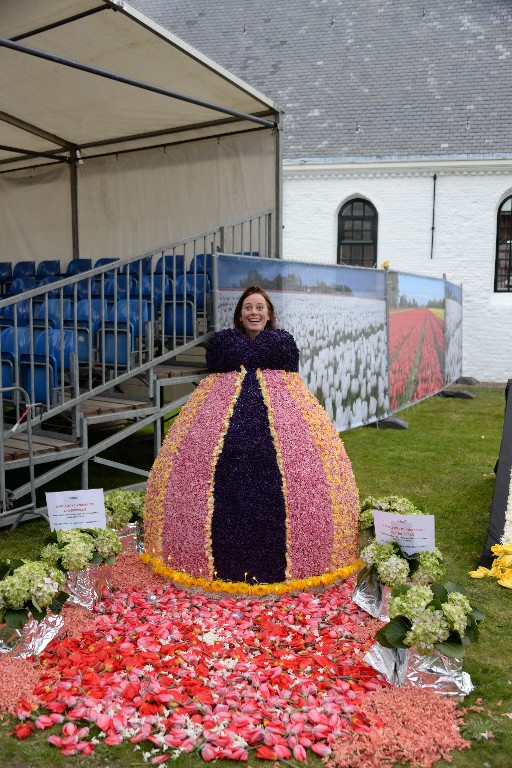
x=272, y=349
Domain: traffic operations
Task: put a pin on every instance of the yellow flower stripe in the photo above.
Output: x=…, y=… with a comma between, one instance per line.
x=216, y=454
x=161, y=471
x=279, y=458
x=242, y=588
x=340, y=480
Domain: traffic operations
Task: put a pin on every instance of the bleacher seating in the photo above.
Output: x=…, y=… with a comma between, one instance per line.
x=39, y=373
x=13, y=343
x=54, y=312
x=24, y=269
x=178, y=319
x=76, y=266
x=21, y=284
x=172, y=265
x=47, y=268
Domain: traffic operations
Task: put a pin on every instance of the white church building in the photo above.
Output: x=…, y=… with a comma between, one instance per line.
x=396, y=138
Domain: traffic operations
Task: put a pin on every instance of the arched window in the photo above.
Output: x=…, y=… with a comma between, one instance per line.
x=357, y=234
x=503, y=271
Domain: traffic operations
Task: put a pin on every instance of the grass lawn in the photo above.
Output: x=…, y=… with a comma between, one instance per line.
x=444, y=463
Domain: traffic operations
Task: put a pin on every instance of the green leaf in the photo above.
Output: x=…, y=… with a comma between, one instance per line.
x=451, y=587
x=51, y=538
x=381, y=638
x=58, y=602
x=440, y=592
x=110, y=559
x=395, y=631
x=451, y=648
x=96, y=559
x=37, y=613
x=16, y=618
x=477, y=615
x=363, y=574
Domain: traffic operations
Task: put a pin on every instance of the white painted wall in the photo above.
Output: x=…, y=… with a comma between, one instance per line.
x=468, y=195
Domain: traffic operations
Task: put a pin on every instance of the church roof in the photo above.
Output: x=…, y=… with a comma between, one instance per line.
x=365, y=80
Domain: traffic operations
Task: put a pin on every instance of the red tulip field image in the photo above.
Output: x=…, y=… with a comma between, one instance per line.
x=416, y=347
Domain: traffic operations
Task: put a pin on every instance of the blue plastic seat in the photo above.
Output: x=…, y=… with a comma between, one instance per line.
x=104, y=261
x=79, y=290
x=171, y=265
x=134, y=312
x=22, y=284
x=185, y=290
x=19, y=312
x=47, y=268
x=5, y=274
x=89, y=316
x=52, y=294
x=24, y=269
x=13, y=344
x=178, y=318
x=55, y=311
x=154, y=291
x=76, y=266
x=139, y=268
x=40, y=373
x=116, y=289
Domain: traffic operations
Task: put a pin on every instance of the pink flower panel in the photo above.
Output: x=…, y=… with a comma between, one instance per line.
x=308, y=497
x=186, y=498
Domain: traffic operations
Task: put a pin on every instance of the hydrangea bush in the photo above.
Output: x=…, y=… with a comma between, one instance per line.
x=30, y=588
x=123, y=506
x=76, y=548
x=395, y=504
x=390, y=565
x=427, y=618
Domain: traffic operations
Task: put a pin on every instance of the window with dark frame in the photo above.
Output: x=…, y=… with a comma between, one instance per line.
x=503, y=270
x=357, y=234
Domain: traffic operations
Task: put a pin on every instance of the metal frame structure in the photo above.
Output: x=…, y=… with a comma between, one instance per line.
x=83, y=357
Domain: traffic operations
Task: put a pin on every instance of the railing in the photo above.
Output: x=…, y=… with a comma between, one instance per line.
x=82, y=334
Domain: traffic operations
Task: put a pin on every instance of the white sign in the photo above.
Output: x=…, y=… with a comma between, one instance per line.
x=414, y=533
x=76, y=509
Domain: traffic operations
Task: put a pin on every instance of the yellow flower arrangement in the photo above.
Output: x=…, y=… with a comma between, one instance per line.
x=501, y=568
x=242, y=588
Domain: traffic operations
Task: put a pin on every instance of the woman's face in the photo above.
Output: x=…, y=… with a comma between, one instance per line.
x=254, y=315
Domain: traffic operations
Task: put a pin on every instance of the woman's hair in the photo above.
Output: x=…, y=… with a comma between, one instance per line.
x=237, y=317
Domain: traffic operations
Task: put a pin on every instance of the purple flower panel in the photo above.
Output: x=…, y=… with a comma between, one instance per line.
x=249, y=519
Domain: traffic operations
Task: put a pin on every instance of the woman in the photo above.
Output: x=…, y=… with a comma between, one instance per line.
x=252, y=485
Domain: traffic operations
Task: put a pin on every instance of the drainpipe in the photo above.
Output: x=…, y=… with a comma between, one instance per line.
x=433, y=217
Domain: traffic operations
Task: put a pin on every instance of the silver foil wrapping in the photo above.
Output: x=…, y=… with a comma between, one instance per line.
x=433, y=670
x=32, y=638
x=129, y=537
x=140, y=536
x=373, y=597
x=85, y=586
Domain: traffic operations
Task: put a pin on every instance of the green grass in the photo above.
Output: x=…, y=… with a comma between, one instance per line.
x=444, y=463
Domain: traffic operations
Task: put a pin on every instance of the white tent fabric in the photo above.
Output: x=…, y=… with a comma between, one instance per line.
x=111, y=90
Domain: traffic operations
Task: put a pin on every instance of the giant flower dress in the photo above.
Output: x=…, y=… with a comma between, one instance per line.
x=252, y=490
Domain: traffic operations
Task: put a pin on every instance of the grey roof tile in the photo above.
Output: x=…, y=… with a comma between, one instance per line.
x=377, y=79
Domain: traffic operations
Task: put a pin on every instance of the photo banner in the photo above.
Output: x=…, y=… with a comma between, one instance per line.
x=416, y=337
x=339, y=317
x=453, y=332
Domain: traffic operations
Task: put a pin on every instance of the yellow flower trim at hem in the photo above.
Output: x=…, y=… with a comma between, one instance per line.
x=241, y=587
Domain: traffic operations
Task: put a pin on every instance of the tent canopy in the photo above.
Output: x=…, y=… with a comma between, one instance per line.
x=96, y=74
x=116, y=136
